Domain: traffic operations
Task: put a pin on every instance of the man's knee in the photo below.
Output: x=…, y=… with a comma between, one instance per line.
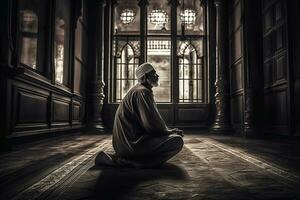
x=180, y=143
x=176, y=142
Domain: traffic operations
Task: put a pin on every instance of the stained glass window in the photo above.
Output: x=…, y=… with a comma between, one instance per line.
x=191, y=72
x=126, y=55
x=127, y=18
x=159, y=17
x=187, y=64
x=190, y=18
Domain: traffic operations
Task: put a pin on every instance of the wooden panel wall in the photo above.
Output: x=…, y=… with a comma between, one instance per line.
x=275, y=66
x=35, y=108
x=279, y=104
x=294, y=30
x=28, y=107
x=36, y=104
x=236, y=62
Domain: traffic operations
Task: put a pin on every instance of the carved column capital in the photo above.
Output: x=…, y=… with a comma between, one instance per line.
x=113, y=2
x=203, y=2
x=173, y=2
x=101, y=2
x=219, y=3
x=143, y=3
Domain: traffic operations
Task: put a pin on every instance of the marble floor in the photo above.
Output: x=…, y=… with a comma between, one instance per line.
x=208, y=167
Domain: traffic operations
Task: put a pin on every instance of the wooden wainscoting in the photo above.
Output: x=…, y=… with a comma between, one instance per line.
x=37, y=106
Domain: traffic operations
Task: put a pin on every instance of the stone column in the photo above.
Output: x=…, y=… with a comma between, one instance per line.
x=222, y=100
x=253, y=75
x=174, y=5
x=97, y=84
x=5, y=61
x=143, y=30
x=108, y=53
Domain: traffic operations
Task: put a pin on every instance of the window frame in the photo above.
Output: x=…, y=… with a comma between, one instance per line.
x=45, y=35
x=68, y=62
x=41, y=37
x=174, y=69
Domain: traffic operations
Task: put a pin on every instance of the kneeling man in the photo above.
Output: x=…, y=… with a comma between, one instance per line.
x=140, y=135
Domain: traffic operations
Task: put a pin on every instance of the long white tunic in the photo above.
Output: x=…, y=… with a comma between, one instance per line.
x=136, y=119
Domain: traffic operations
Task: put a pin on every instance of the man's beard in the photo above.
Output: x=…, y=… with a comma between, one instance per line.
x=154, y=84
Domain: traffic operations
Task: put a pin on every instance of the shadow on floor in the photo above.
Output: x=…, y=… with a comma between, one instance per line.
x=115, y=183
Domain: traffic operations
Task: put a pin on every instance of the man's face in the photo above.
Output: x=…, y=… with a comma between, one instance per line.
x=153, y=78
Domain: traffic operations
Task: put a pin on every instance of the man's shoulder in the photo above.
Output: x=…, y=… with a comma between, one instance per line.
x=141, y=90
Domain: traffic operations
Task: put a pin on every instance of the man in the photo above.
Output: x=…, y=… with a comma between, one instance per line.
x=140, y=135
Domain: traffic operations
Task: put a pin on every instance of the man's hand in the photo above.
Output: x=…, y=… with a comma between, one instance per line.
x=177, y=131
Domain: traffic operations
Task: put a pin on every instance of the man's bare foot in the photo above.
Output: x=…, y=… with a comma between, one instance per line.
x=104, y=159
x=123, y=162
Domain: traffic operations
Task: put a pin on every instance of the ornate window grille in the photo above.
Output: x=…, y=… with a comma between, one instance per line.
x=188, y=65
x=191, y=73
x=127, y=16
x=188, y=18
x=126, y=59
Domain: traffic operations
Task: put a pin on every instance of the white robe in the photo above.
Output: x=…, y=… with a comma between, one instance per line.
x=137, y=119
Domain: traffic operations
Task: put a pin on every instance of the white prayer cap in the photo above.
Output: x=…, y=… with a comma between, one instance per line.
x=143, y=69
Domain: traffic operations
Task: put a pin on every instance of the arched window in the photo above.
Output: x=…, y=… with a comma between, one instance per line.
x=126, y=61
x=183, y=75
x=191, y=74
